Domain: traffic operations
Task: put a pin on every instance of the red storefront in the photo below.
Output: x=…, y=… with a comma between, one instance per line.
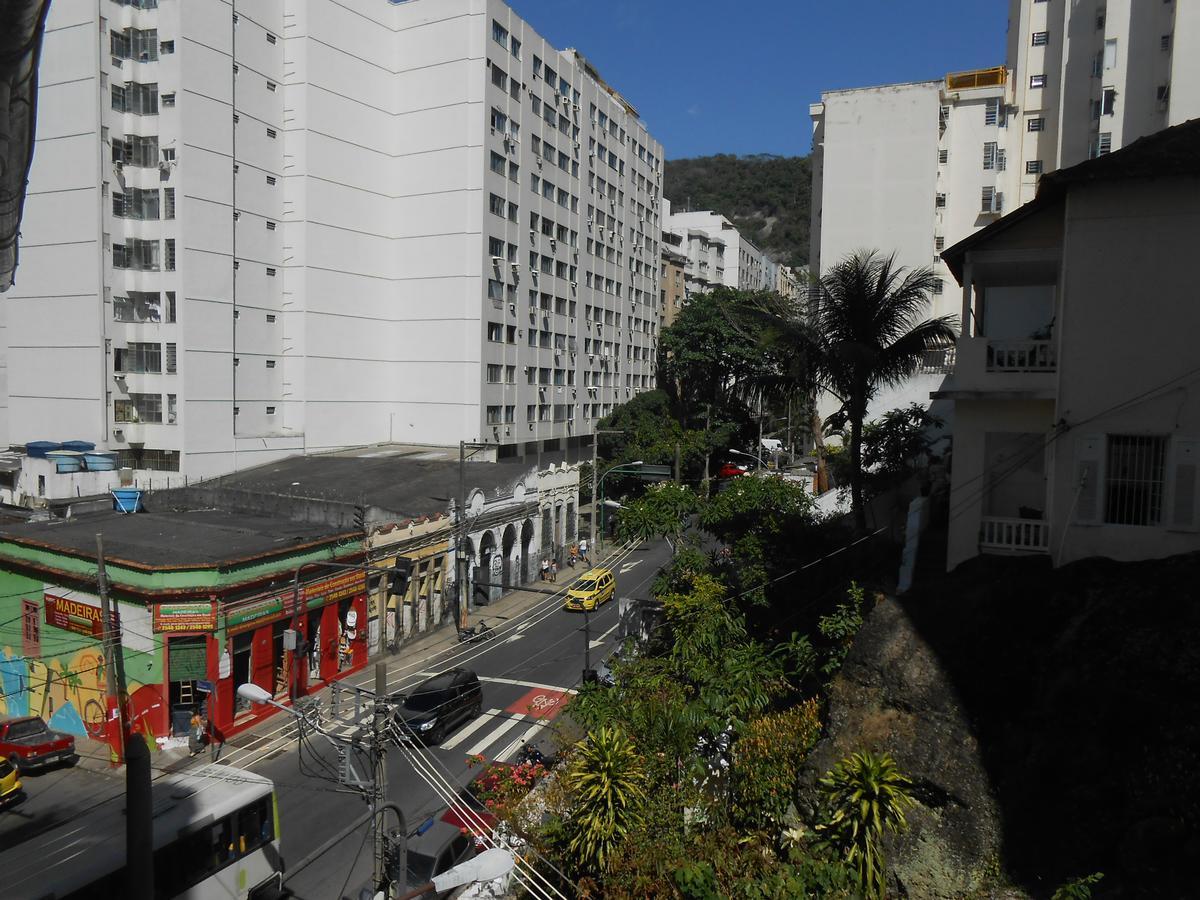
x=329, y=619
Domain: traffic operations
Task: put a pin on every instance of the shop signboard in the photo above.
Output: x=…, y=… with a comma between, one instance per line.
x=339, y=587
x=248, y=615
x=74, y=611
x=185, y=618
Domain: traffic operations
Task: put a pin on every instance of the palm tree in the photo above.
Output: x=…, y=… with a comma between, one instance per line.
x=864, y=332
x=867, y=796
x=608, y=784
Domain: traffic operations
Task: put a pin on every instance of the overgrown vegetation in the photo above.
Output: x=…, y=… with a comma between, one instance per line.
x=767, y=197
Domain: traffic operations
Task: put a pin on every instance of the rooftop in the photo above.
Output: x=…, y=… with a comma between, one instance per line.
x=409, y=482
x=175, y=538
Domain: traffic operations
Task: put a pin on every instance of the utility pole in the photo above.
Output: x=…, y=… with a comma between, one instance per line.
x=587, y=643
x=597, y=537
x=677, y=467
x=379, y=779
x=139, y=802
x=115, y=706
x=460, y=535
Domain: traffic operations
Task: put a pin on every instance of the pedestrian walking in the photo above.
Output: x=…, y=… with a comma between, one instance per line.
x=574, y=556
x=545, y=569
x=195, y=733
x=583, y=551
x=554, y=570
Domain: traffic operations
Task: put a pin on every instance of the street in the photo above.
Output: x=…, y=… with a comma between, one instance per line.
x=528, y=670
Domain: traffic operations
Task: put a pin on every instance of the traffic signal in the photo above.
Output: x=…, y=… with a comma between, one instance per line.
x=398, y=579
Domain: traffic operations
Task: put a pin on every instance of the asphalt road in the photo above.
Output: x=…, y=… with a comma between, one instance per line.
x=527, y=672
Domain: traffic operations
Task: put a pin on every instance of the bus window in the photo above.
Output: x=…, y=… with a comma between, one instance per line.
x=255, y=825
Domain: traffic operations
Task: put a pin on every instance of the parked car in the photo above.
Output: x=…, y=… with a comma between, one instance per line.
x=436, y=847
x=595, y=586
x=28, y=743
x=10, y=785
x=438, y=705
x=732, y=470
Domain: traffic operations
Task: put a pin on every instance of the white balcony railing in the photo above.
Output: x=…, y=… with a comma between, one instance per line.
x=1021, y=356
x=1019, y=535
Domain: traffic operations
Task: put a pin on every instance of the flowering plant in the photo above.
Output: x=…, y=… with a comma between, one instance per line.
x=500, y=787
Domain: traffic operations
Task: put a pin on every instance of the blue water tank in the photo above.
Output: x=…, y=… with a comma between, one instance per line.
x=39, y=449
x=127, y=500
x=78, y=446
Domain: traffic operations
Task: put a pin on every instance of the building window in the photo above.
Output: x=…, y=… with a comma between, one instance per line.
x=138, y=357
x=270, y=363
x=270, y=410
x=1103, y=144
x=1110, y=53
x=270, y=85
x=1108, y=105
x=271, y=179
x=31, y=630
x=1165, y=42
x=168, y=99
x=272, y=133
x=1033, y=167
x=990, y=200
x=1036, y=124
x=168, y=203
x=939, y=201
x=498, y=163
x=991, y=111
x=166, y=48
x=493, y=415
x=270, y=317
x=939, y=243
x=938, y=286
x=1163, y=93
x=499, y=34
x=495, y=289
x=138, y=408
x=270, y=272
x=943, y=157
x=1133, y=482
x=495, y=373
x=989, y=155
x=499, y=78
x=271, y=39
x=1041, y=38
x=270, y=225
x=171, y=356
x=1037, y=81
x=496, y=332
x=496, y=205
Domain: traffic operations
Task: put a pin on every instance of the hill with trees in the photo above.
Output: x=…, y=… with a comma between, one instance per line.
x=766, y=196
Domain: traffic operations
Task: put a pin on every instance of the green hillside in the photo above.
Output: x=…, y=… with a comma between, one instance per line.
x=766, y=196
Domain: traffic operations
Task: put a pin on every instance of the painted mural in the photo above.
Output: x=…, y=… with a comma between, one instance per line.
x=55, y=668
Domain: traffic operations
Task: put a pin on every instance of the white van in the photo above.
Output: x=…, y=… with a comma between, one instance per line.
x=772, y=445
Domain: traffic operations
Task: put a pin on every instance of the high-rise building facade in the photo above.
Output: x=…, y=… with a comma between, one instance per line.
x=263, y=228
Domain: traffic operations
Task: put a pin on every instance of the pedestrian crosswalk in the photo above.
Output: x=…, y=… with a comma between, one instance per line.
x=486, y=735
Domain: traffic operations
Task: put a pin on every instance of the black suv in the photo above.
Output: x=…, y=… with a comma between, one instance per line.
x=437, y=706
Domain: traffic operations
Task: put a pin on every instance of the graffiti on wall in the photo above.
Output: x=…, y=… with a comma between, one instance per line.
x=69, y=693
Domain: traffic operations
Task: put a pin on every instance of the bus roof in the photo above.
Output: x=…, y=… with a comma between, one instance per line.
x=91, y=840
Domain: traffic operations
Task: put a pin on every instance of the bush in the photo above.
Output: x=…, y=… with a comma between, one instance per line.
x=766, y=760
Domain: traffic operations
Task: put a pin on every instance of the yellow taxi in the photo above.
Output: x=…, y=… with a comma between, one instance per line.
x=594, y=587
x=10, y=784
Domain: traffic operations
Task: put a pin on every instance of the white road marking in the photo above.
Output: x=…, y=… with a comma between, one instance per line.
x=511, y=749
x=528, y=684
x=497, y=733
x=515, y=637
x=463, y=733
x=625, y=568
x=600, y=640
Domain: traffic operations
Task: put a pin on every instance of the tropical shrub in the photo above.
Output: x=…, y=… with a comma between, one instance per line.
x=866, y=796
x=607, y=783
x=500, y=788
x=766, y=759
x=839, y=628
x=1078, y=888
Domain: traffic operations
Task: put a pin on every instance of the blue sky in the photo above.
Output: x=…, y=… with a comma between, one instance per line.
x=722, y=77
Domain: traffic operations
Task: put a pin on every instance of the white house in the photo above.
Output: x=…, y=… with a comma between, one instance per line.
x=1076, y=386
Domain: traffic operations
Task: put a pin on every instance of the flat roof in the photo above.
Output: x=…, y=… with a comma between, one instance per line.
x=174, y=538
x=409, y=482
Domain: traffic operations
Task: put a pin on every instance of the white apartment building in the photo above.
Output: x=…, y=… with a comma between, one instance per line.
x=265, y=228
x=718, y=254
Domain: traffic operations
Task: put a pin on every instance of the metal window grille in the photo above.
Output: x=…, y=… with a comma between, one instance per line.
x=1133, y=482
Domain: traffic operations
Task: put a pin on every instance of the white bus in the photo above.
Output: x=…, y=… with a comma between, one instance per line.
x=216, y=835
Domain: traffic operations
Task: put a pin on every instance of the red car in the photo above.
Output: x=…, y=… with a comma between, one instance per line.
x=28, y=743
x=732, y=470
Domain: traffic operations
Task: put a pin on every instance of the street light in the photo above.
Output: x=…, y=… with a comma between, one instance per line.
x=623, y=468
x=487, y=866
x=761, y=464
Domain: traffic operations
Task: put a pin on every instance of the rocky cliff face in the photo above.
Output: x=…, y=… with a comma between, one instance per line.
x=1049, y=720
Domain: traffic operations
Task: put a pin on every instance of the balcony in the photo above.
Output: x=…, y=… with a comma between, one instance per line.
x=977, y=78
x=1021, y=356
x=999, y=534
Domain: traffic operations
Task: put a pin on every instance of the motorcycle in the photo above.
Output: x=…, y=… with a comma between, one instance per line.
x=475, y=633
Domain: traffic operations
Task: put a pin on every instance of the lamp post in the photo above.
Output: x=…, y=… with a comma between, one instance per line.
x=595, y=444
x=487, y=866
x=753, y=456
x=624, y=468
